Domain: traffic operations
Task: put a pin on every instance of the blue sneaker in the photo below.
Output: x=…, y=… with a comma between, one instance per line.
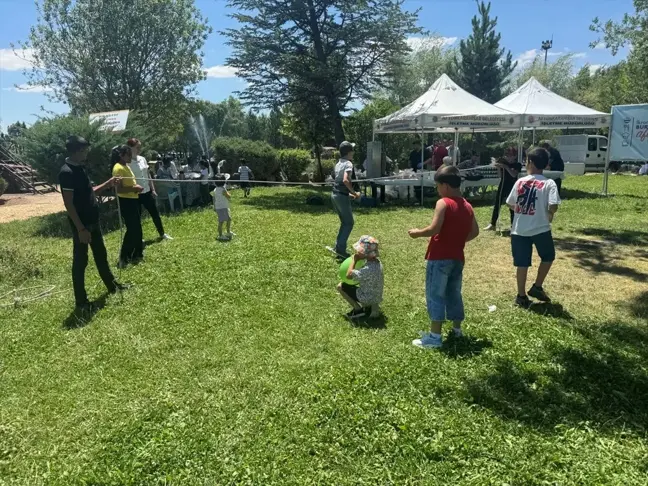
x=428, y=341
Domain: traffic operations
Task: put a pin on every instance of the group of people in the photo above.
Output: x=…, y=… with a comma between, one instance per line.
x=135, y=189
x=533, y=201
x=434, y=156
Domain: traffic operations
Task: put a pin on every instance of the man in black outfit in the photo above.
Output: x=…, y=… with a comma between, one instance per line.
x=555, y=162
x=83, y=214
x=509, y=169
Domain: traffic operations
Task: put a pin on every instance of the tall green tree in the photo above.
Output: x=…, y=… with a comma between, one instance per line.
x=483, y=68
x=632, y=30
x=557, y=76
x=415, y=71
x=255, y=126
x=330, y=52
x=101, y=55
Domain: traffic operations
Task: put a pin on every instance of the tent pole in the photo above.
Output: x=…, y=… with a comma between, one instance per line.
x=606, y=173
x=533, y=137
x=520, y=146
x=422, y=163
x=456, y=147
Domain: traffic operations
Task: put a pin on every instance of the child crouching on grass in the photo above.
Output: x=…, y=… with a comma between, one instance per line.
x=222, y=208
x=452, y=226
x=365, y=298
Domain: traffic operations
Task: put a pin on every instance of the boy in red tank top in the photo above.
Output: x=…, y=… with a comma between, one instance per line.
x=453, y=225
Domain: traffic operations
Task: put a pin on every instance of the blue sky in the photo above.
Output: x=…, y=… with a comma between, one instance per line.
x=523, y=24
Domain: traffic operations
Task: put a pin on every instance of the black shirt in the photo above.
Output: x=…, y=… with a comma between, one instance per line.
x=555, y=160
x=508, y=180
x=75, y=178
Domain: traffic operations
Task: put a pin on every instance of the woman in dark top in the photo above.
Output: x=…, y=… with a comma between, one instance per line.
x=508, y=169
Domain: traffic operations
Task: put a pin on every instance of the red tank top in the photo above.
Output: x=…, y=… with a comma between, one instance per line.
x=450, y=242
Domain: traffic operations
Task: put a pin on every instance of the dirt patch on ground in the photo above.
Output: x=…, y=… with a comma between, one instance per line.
x=23, y=206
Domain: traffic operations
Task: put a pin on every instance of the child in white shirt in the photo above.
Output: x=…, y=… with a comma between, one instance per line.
x=222, y=208
x=535, y=200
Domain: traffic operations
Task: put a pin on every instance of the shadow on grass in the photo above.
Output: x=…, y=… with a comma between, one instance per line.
x=465, y=347
x=78, y=319
x=601, y=381
x=621, y=237
x=638, y=306
x=371, y=323
x=599, y=256
x=550, y=309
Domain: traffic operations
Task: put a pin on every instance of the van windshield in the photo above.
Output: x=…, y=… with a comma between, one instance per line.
x=603, y=144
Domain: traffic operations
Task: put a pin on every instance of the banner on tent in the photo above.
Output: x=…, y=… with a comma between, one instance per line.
x=469, y=121
x=629, y=133
x=569, y=121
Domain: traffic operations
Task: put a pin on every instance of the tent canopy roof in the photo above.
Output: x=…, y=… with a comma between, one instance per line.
x=444, y=98
x=533, y=98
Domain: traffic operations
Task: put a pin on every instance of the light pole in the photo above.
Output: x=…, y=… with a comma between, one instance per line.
x=546, y=45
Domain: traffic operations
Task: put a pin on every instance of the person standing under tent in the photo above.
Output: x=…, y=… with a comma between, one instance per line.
x=79, y=197
x=556, y=162
x=147, y=197
x=343, y=193
x=452, y=149
x=508, y=171
x=415, y=156
x=440, y=153
x=132, y=250
x=245, y=174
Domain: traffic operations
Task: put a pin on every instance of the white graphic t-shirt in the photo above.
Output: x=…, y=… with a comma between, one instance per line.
x=531, y=197
x=140, y=169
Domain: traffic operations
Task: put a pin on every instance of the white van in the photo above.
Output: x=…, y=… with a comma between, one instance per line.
x=590, y=150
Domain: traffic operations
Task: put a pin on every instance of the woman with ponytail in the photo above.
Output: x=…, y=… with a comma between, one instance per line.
x=128, y=191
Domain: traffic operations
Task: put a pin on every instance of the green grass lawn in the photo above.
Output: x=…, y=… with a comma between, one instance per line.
x=230, y=363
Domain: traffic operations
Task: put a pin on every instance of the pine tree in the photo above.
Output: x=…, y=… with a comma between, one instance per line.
x=483, y=68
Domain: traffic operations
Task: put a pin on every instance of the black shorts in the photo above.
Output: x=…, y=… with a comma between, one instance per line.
x=350, y=290
x=522, y=247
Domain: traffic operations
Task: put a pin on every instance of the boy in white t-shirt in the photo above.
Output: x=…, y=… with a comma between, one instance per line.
x=535, y=200
x=222, y=208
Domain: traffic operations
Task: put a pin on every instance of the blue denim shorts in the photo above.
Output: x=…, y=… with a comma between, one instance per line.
x=443, y=290
x=522, y=248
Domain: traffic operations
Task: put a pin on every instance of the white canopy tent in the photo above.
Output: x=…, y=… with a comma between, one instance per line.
x=541, y=108
x=437, y=108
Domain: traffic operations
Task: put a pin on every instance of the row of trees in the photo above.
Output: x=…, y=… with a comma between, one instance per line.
x=307, y=64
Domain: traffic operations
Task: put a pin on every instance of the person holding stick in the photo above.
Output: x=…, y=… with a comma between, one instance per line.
x=79, y=197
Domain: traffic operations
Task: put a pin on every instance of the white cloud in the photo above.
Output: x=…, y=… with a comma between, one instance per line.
x=595, y=67
x=25, y=88
x=600, y=45
x=527, y=57
x=416, y=43
x=220, y=71
x=16, y=61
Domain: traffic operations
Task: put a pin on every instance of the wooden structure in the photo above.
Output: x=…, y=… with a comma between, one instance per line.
x=20, y=175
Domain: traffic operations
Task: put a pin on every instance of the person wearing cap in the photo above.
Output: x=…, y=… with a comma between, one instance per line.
x=343, y=192
x=79, y=197
x=146, y=198
x=366, y=296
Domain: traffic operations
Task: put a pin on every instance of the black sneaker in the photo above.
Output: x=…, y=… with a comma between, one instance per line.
x=87, y=309
x=355, y=314
x=522, y=302
x=538, y=293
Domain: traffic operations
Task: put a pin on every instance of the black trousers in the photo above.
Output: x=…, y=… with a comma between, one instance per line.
x=148, y=202
x=559, y=184
x=80, y=262
x=204, y=194
x=132, y=247
x=503, y=191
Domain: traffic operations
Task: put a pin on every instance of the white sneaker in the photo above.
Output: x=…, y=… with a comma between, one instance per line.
x=428, y=341
x=166, y=237
x=490, y=227
x=229, y=236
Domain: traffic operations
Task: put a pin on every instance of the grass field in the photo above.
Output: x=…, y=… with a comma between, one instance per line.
x=231, y=363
